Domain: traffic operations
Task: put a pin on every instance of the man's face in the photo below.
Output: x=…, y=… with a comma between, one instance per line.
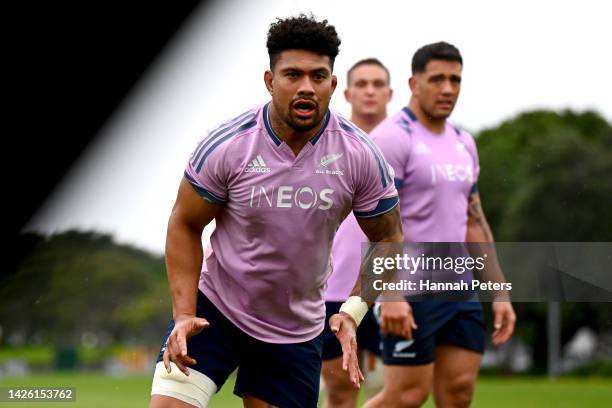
x=301, y=86
x=368, y=90
x=437, y=88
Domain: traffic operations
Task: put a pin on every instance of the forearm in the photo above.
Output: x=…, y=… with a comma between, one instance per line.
x=386, y=237
x=481, y=244
x=363, y=286
x=183, y=264
x=479, y=231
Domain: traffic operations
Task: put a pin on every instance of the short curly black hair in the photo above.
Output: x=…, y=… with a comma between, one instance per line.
x=302, y=33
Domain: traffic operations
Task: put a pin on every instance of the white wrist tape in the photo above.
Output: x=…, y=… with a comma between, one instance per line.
x=355, y=307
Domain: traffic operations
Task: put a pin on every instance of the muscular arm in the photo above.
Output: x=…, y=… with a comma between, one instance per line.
x=190, y=214
x=383, y=228
x=386, y=228
x=478, y=229
x=481, y=243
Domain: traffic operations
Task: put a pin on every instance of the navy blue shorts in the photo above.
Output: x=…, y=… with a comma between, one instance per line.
x=368, y=333
x=285, y=375
x=457, y=323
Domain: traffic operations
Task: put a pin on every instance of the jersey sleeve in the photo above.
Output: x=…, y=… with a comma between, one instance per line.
x=206, y=171
x=470, y=145
x=375, y=192
x=394, y=144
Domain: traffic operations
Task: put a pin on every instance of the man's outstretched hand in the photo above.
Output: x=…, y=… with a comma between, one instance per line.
x=345, y=329
x=176, y=346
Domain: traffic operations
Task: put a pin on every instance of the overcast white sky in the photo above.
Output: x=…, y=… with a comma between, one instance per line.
x=518, y=55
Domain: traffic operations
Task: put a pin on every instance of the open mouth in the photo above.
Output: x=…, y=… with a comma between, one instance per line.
x=304, y=108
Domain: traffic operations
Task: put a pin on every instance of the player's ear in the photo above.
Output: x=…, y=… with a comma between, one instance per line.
x=269, y=81
x=390, y=95
x=346, y=95
x=412, y=83
x=334, y=83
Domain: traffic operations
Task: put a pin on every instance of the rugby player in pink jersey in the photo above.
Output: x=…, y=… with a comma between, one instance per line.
x=278, y=180
x=436, y=170
x=368, y=91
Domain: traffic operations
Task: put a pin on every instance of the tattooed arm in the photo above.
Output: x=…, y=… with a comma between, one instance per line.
x=478, y=229
x=481, y=243
x=385, y=228
x=395, y=313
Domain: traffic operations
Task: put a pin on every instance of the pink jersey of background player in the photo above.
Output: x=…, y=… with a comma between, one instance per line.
x=268, y=259
x=438, y=171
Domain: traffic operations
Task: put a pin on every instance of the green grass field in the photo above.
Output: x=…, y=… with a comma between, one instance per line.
x=99, y=391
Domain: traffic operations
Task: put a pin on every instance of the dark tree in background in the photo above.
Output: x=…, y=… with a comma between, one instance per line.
x=83, y=282
x=547, y=176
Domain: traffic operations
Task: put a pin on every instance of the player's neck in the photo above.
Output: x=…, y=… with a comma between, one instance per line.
x=436, y=126
x=294, y=139
x=368, y=122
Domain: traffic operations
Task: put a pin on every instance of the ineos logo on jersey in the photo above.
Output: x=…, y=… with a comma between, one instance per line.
x=451, y=172
x=289, y=196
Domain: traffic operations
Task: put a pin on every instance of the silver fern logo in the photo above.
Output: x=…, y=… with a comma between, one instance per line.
x=330, y=158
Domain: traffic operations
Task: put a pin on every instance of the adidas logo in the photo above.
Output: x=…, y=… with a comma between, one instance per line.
x=421, y=148
x=257, y=165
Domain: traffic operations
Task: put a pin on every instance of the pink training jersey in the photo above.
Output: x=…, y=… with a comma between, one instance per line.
x=269, y=256
x=434, y=175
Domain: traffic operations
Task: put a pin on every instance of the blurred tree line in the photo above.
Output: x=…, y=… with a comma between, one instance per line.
x=547, y=176
x=83, y=283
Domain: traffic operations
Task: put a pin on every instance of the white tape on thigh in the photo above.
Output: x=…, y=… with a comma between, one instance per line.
x=195, y=389
x=355, y=307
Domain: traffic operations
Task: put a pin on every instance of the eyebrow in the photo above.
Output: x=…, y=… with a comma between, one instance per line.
x=442, y=75
x=315, y=70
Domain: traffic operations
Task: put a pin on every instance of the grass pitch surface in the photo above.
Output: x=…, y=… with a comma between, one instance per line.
x=101, y=391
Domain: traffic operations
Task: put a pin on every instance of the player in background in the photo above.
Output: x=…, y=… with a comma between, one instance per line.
x=368, y=91
x=436, y=170
x=278, y=180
